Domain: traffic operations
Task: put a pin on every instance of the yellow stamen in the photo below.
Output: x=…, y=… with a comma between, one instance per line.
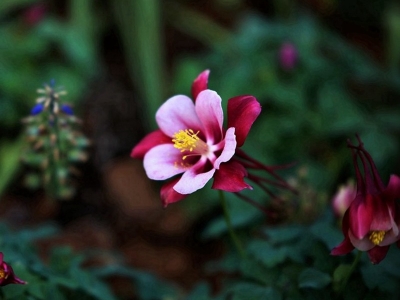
x=185, y=140
x=377, y=237
x=2, y=274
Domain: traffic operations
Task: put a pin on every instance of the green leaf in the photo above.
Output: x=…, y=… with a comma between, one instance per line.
x=313, y=278
x=266, y=254
x=9, y=161
x=340, y=276
x=246, y=291
x=285, y=234
x=199, y=292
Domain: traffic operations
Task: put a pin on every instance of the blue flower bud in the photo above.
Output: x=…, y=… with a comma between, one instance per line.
x=66, y=109
x=37, y=109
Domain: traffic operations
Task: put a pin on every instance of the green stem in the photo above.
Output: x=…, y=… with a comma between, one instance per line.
x=232, y=233
x=352, y=268
x=54, y=147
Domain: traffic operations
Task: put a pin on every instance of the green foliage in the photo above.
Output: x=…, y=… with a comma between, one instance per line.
x=293, y=262
x=63, y=276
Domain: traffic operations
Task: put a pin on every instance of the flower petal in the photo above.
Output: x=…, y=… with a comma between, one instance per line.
x=169, y=195
x=346, y=246
x=229, y=148
x=390, y=238
x=343, y=248
x=177, y=113
x=363, y=244
x=151, y=140
x=361, y=212
x=193, y=179
x=209, y=111
x=377, y=253
x=382, y=219
x=160, y=162
x=229, y=177
x=242, y=112
x=200, y=84
x=392, y=190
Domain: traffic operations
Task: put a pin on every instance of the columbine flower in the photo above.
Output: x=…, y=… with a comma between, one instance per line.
x=371, y=223
x=288, y=56
x=7, y=275
x=192, y=141
x=193, y=144
x=343, y=198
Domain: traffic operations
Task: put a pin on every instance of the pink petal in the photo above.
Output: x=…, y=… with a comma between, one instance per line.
x=163, y=162
x=229, y=148
x=169, y=195
x=346, y=246
x=151, y=140
x=363, y=244
x=382, y=219
x=200, y=84
x=361, y=213
x=209, y=111
x=377, y=253
x=242, y=112
x=177, y=113
x=230, y=177
x=390, y=238
x=193, y=179
x=392, y=190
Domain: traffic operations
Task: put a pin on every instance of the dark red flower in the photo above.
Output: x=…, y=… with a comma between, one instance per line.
x=7, y=275
x=371, y=223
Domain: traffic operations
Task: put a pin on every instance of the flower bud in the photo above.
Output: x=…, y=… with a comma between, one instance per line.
x=288, y=56
x=343, y=197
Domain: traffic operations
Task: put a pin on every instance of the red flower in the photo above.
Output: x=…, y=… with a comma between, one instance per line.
x=371, y=223
x=7, y=275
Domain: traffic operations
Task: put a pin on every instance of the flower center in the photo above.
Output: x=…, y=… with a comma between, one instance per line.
x=377, y=237
x=188, y=140
x=3, y=274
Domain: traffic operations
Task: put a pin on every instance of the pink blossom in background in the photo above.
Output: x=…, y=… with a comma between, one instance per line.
x=342, y=199
x=288, y=56
x=34, y=14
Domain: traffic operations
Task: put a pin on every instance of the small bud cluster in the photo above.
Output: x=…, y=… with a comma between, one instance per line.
x=55, y=144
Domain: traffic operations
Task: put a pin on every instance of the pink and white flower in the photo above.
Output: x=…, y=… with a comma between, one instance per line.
x=191, y=142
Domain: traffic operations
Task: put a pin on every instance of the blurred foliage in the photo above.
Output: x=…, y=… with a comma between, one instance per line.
x=293, y=262
x=63, y=275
